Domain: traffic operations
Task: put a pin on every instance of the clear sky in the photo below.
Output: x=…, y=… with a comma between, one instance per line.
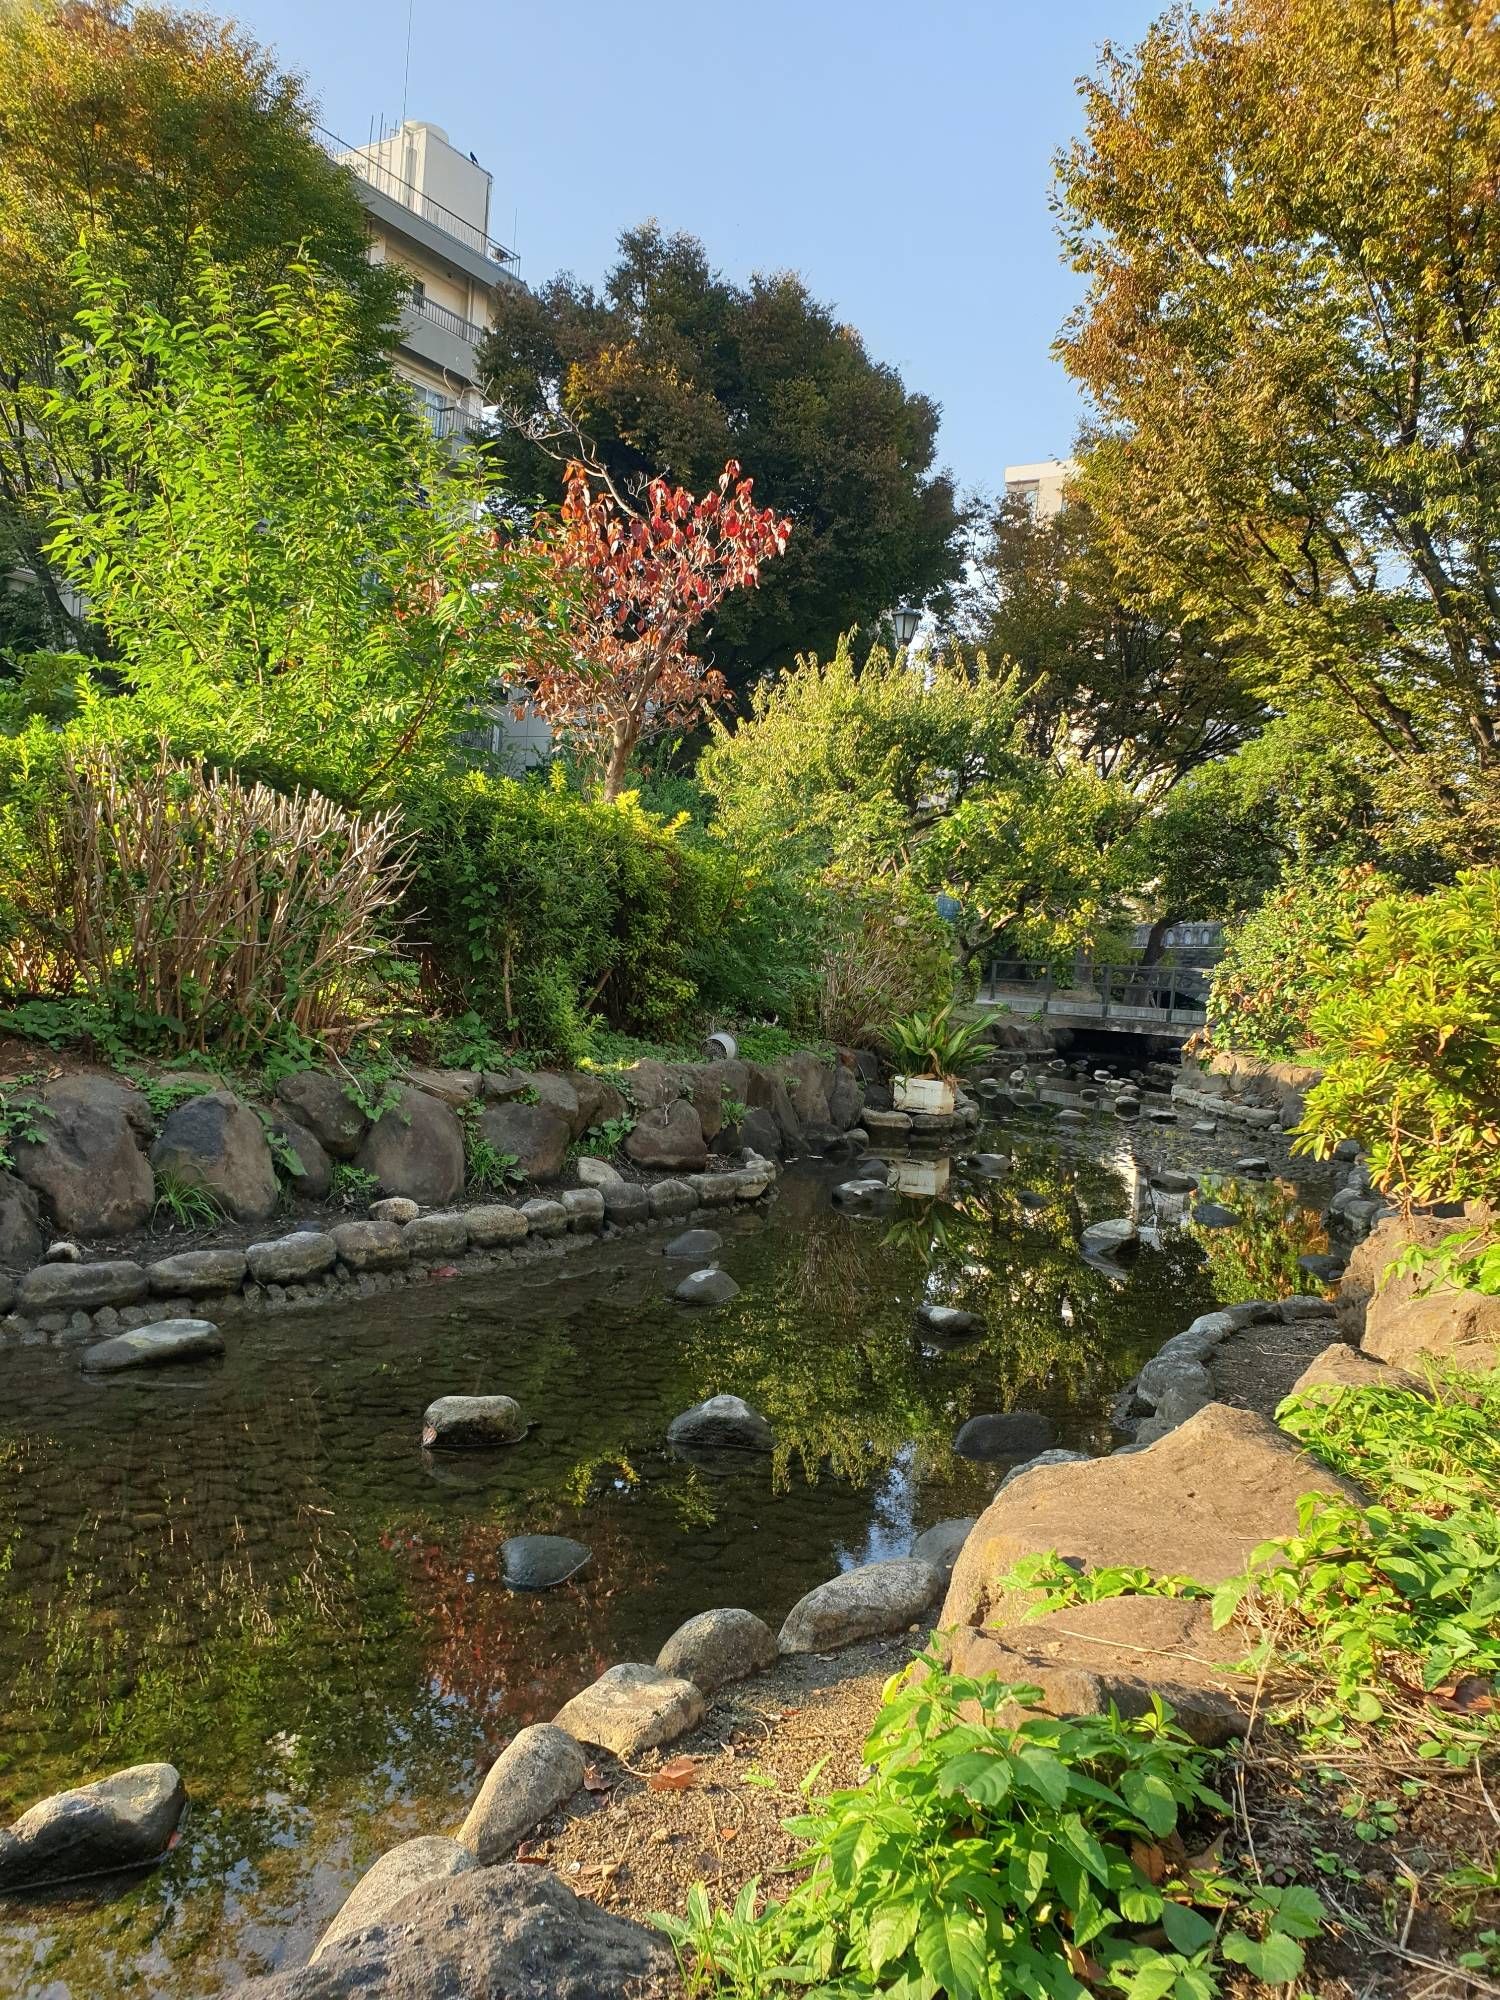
x=898, y=156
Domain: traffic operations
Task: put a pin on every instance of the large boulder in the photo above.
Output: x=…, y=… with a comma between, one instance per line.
x=416, y=1148
x=671, y=1137
x=806, y=1078
x=506, y=1933
x=631, y=1708
x=1125, y=1651
x=323, y=1104
x=22, y=1237
x=1340, y=1367
x=123, y=1821
x=846, y=1099
x=411, y=1865
x=876, y=1598
x=87, y=1164
x=1462, y=1328
x=1195, y=1504
x=536, y=1135
x=598, y=1101
x=558, y=1092
x=303, y=1157
x=216, y=1143
x=534, y=1774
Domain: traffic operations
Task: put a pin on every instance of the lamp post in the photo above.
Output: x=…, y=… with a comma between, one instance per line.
x=906, y=618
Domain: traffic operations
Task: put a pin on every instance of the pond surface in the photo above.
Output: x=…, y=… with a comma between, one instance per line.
x=248, y=1568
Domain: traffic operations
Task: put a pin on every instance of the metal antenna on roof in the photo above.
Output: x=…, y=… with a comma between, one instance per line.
x=406, y=72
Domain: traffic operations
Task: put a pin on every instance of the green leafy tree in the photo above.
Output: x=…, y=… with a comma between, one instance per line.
x=136, y=127
x=1143, y=695
x=670, y=369
x=291, y=574
x=1285, y=214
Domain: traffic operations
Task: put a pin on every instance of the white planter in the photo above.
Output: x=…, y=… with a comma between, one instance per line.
x=923, y=1093
x=923, y=1177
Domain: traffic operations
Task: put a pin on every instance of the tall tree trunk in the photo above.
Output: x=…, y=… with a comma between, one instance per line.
x=622, y=743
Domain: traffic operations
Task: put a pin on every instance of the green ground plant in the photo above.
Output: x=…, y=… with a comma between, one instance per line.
x=934, y=1044
x=351, y=1186
x=22, y=1116
x=183, y=1203
x=987, y=1857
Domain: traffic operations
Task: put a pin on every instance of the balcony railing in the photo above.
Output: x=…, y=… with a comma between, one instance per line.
x=377, y=175
x=448, y=320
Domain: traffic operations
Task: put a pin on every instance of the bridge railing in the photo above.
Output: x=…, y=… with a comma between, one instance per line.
x=1173, y=996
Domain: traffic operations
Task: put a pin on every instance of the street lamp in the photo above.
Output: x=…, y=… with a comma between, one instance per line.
x=906, y=619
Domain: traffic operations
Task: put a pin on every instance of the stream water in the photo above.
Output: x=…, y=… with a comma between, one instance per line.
x=249, y=1569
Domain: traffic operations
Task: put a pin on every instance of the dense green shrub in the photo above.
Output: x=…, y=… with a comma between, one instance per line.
x=1277, y=965
x=988, y=1858
x=1408, y=1029
x=536, y=909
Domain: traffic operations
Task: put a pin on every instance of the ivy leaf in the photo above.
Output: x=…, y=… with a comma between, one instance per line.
x=1276, y=1959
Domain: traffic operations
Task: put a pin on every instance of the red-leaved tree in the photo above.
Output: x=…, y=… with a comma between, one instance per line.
x=641, y=583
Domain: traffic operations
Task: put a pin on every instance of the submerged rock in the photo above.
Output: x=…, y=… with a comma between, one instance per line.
x=721, y=1423
x=152, y=1346
x=541, y=1562
x=1213, y=1215
x=1117, y=1238
x=949, y=1320
x=126, y=1820
x=696, y=1244
x=1005, y=1434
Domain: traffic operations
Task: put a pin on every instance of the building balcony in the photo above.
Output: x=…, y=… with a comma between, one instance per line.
x=444, y=339
x=401, y=210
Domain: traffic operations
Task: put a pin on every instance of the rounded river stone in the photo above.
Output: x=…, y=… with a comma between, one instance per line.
x=541, y=1562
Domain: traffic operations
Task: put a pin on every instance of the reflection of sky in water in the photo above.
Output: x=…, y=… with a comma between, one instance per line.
x=250, y=1569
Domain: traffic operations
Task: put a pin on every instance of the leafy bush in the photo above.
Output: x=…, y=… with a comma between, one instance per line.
x=536, y=908
x=215, y=910
x=1277, y=965
x=885, y=951
x=985, y=1859
x=1408, y=1030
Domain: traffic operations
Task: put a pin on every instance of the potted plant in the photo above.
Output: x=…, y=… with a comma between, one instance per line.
x=929, y=1050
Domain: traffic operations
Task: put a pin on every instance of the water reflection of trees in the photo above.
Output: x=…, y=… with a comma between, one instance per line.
x=1257, y=1257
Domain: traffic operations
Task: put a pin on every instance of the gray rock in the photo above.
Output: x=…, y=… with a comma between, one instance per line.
x=504, y=1086
x=710, y=1287
x=300, y=1156
x=866, y=1192
x=1057, y=1456
x=536, y=1772
x=669, y=1137
x=992, y=1166
x=81, y=1287
x=544, y=1218
x=151, y=1346
x=541, y=1562
x=1304, y=1306
x=722, y=1423
x=1165, y=1182
x=596, y=1173
x=416, y=1148
x=759, y=1128
x=940, y=1544
x=861, y=1604
x=471, y=1423
x=1253, y=1167
x=625, y=1203
x=1175, y=1373
x=585, y=1209
x=1326, y=1269
x=1004, y=1434
x=64, y=1251
x=455, y=1087
x=717, y=1647
x=1213, y=1215
x=322, y=1103
x=537, y=1135
x=1118, y=1238
x=631, y=1708
x=754, y=1178
x=370, y=1246
x=216, y=1143
x=950, y=1320
x=287, y=1260
x=845, y=1100
x=558, y=1093
x=22, y=1236
x=443, y=1233
x=671, y=1196
x=395, y=1208
x=123, y=1821
x=88, y=1166
x=696, y=1244
x=507, y=1933
x=493, y=1223
x=1072, y=1118
x=398, y=1871
x=1127, y=1107
x=197, y=1274
x=715, y=1190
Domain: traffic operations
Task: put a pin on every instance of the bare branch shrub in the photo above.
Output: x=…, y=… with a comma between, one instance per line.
x=224, y=911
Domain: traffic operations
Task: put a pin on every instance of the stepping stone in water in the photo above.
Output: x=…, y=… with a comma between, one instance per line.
x=707, y=1288
x=541, y=1562
x=1006, y=1434
x=696, y=1244
x=151, y=1346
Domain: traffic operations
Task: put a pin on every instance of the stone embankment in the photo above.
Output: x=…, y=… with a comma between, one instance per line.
x=689, y=1136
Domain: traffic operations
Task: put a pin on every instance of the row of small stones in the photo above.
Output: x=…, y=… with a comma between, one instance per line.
x=1178, y=1381
x=357, y=1258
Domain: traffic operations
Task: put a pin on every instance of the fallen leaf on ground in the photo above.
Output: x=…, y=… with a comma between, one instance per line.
x=674, y=1777
x=528, y=1853
x=1150, y=1860
x=594, y=1779
x=729, y=1833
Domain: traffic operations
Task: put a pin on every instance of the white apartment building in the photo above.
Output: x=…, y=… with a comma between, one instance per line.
x=1041, y=485
x=428, y=206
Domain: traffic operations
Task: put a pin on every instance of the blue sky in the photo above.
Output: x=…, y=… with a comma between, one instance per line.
x=898, y=156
